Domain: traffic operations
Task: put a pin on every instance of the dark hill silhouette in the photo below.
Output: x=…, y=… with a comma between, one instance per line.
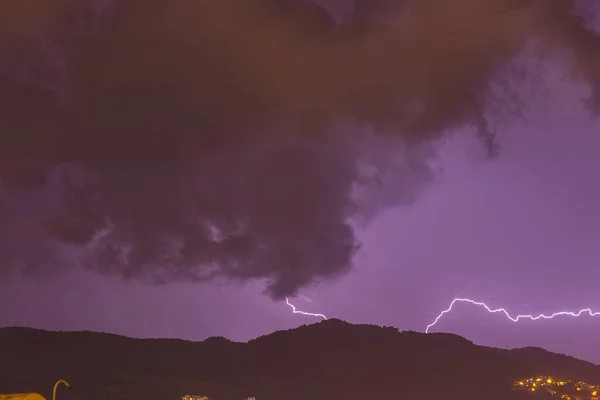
x=328, y=360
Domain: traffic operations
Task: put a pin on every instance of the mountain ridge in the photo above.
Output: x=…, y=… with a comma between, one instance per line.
x=329, y=360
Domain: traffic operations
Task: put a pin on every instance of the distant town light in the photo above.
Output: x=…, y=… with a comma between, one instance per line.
x=562, y=389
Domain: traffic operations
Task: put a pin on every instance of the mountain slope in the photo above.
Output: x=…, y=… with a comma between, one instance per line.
x=329, y=360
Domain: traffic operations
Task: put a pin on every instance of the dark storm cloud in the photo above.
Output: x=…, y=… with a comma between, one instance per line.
x=191, y=140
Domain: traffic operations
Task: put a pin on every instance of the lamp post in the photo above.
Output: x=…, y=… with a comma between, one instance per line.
x=56, y=386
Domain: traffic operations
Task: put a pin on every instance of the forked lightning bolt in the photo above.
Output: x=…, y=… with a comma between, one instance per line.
x=513, y=319
x=295, y=311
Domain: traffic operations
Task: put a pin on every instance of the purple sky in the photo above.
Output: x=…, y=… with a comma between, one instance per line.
x=520, y=232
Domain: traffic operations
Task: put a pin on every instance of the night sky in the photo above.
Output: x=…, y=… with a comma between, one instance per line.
x=165, y=178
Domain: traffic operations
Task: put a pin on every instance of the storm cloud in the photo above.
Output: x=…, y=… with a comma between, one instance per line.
x=194, y=140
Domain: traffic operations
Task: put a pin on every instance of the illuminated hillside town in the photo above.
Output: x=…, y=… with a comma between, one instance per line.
x=562, y=389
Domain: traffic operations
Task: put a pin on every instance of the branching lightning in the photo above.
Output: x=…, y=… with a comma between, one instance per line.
x=295, y=311
x=490, y=310
x=513, y=319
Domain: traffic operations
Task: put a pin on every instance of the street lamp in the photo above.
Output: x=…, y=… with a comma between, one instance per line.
x=56, y=386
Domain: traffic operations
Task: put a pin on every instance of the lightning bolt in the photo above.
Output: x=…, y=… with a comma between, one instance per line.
x=295, y=311
x=513, y=319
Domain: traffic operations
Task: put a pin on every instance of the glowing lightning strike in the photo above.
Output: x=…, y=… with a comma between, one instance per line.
x=293, y=307
x=503, y=311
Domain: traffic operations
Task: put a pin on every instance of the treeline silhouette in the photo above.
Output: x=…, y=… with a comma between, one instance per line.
x=328, y=360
